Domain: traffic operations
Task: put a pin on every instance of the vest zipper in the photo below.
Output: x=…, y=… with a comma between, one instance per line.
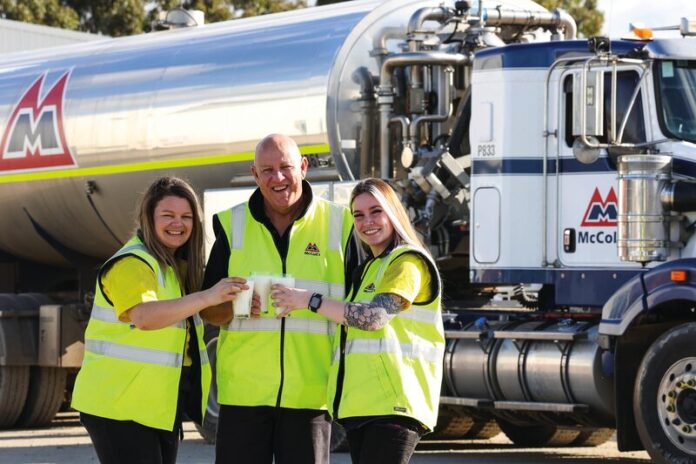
x=283, y=260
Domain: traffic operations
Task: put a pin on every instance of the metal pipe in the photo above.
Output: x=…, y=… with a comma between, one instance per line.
x=557, y=18
x=385, y=97
x=363, y=77
x=380, y=43
x=418, y=58
x=439, y=13
x=567, y=22
x=613, y=101
x=444, y=107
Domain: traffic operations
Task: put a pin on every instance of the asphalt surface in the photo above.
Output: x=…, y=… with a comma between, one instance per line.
x=66, y=442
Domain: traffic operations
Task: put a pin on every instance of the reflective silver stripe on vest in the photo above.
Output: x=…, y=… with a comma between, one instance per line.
x=204, y=356
x=133, y=353
x=315, y=326
x=433, y=354
x=335, y=227
x=105, y=314
x=427, y=316
x=292, y=324
x=237, y=226
x=263, y=324
x=332, y=290
x=139, y=247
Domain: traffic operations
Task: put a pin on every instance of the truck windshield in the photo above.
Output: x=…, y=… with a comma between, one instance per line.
x=676, y=86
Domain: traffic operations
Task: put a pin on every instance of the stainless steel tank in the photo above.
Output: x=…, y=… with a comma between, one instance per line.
x=528, y=370
x=643, y=225
x=111, y=115
x=190, y=102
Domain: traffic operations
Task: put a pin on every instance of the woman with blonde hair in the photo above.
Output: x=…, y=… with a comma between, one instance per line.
x=145, y=362
x=384, y=387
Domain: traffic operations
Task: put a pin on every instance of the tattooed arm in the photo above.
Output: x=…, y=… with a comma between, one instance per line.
x=375, y=314
x=365, y=316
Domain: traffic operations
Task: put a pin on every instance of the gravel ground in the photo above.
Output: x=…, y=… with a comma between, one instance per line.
x=66, y=442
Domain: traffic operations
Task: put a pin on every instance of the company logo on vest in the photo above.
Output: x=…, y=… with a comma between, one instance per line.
x=312, y=249
x=369, y=289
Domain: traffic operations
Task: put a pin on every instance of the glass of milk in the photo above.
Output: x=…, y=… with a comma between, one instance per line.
x=242, y=303
x=262, y=284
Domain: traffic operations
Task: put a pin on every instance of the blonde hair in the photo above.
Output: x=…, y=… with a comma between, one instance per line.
x=192, y=250
x=390, y=203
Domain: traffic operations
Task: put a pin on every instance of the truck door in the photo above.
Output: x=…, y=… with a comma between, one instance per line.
x=587, y=193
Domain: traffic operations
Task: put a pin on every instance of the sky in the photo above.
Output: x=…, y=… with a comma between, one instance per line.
x=653, y=13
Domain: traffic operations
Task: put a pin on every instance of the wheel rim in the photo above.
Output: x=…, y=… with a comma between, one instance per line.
x=676, y=399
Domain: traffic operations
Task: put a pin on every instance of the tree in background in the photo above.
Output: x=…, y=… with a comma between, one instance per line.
x=588, y=18
x=126, y=17
x=48, y=12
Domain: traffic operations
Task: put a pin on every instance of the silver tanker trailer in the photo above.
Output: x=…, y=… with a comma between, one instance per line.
x=552, y=179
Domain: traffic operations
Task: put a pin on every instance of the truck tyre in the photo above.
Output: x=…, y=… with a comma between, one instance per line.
x=451, y=425
x=533, y=436
x=14, y=383
x=664, y=397
x=45, y=395
x=208, y=429
x=483, y=429
x=593, y=437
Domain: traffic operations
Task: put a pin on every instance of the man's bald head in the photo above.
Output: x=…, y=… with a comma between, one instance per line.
x=279, y=169
x=277, y=143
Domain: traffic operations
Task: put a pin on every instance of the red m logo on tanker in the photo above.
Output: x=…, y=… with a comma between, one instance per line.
x=34, y=137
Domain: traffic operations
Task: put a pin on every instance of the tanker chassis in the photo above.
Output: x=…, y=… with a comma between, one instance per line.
x=552, y=178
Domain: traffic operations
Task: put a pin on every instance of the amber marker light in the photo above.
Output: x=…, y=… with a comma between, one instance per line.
x=643, y=32
x=679, y=276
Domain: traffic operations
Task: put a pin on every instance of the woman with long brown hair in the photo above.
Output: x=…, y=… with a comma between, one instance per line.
x=385, y=379
x=145, y=363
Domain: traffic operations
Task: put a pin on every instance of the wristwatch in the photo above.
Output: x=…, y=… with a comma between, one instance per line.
x=315, y=302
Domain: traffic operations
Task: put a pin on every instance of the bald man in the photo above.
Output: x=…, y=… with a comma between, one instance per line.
x=271, y=373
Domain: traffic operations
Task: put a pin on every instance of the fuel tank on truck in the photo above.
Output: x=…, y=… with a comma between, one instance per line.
x=85, y=128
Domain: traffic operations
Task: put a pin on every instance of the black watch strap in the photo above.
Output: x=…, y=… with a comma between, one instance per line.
x=315, y=301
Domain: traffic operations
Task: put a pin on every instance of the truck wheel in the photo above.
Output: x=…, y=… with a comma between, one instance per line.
x=532, y=436
x=46, y=391
x=593, y=437
x=14, y=383
x=451, y=425
x=483, y=429
x=208, y=429
x=664, y=398
x=339, y=439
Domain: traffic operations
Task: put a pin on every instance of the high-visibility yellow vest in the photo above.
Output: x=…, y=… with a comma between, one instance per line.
x=271, y=362
x=396, y=370
x=133, y=374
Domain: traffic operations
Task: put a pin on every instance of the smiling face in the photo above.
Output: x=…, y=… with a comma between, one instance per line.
x=372, y=223
x=279, y=169
x=173, y=220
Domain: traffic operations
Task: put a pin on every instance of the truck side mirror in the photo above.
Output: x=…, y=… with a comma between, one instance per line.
x=588, y=105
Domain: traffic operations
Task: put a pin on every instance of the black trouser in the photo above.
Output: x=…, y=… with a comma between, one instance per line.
x=127, y=442
x=257, y=435
x=382, y=442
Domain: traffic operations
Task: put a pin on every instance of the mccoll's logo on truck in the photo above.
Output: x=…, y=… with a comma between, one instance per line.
x=33, y=137
x=601, y=212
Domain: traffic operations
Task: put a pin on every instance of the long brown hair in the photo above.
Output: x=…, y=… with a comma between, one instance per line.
x=387, y=198
x=192, y=250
